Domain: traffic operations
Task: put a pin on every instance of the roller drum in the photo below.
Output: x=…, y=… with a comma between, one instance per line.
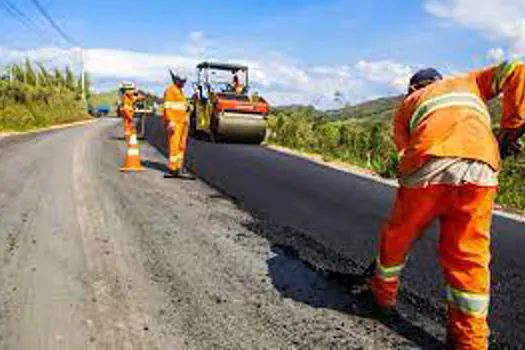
x=240, y=127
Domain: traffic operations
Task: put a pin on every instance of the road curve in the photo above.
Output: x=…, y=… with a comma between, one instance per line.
x=96, y=259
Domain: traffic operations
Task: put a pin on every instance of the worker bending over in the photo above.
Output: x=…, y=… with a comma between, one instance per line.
x=448, y=170
x=176, y=124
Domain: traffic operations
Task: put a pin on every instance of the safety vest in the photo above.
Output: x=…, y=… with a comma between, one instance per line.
x=175, y=106
x=450, y=118
x=127, y=101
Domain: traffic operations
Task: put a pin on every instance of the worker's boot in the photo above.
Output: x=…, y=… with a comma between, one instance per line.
x=381, y=312
x=171, y=174
x=185, y=174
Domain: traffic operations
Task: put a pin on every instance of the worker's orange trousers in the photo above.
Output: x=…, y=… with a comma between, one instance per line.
x=177, y=137
x=127, y=118
x=464, y=214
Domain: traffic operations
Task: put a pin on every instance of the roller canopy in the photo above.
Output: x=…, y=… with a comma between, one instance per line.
x=221, y=66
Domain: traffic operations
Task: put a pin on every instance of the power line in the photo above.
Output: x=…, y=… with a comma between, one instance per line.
x=19, y=15
x=16, y=13
x=13, y=10
x=52, y=22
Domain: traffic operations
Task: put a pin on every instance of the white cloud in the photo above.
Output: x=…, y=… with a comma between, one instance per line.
x=279, y=79
x=48, y=56
x=388, y=72
x=495, y=55
x=500, y=19
x=196, y=45
x=153, y=68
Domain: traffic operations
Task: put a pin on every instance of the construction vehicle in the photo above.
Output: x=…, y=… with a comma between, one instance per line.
x=142, y=110
x=222, y=112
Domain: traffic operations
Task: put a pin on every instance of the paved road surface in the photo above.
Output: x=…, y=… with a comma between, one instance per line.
x=95, y=259
x=92, y=258
x=344, y=213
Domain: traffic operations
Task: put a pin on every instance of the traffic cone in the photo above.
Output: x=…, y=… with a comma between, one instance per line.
x=132, y=159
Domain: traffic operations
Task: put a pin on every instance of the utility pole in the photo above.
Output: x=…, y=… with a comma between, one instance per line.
x=83, y=80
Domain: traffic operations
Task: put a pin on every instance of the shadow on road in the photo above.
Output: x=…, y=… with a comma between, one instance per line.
x=117, y=138
x=155, y=166
x=299, y=281
x=297, y=267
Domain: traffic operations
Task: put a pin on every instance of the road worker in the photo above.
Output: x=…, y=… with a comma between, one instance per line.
x=448, y=170
x=176, y=122
x=129, y=98
x=236, y=85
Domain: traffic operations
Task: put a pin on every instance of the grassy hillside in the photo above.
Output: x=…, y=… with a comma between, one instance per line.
x=361, y=135
x=105, y=98
x=382, y=108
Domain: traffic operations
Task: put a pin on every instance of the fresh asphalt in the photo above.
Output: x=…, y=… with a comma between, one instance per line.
x=344, y=212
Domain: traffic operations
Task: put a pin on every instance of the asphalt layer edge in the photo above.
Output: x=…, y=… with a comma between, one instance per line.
x=366, y=174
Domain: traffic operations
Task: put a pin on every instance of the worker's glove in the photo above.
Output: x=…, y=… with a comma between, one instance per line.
x=509, y=142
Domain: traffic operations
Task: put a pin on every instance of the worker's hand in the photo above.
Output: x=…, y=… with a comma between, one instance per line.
x=509, y=142
x=170, y=127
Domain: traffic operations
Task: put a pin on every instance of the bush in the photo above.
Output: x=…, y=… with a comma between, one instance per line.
x=512, y=184
x=36, y=100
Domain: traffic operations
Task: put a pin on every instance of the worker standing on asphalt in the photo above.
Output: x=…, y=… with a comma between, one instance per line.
x=448, y=170
x=129, y=97
x=176, y=124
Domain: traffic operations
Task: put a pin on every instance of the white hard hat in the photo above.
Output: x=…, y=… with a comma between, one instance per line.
x=127, y=85
x=180, y=77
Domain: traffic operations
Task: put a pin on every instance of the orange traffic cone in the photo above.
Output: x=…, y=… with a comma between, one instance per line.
x=132, y=159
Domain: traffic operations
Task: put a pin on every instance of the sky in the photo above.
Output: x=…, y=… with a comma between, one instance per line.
x=298, y=51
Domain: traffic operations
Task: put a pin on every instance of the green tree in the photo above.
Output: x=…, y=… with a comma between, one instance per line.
x=69, y=79
x=44, y=77
x=59, y=78
x=29, y=74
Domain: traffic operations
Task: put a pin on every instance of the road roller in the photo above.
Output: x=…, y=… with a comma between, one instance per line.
x=223, y=109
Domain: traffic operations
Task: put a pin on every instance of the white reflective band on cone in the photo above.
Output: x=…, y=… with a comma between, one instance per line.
x=133, y=152
x=133, y=139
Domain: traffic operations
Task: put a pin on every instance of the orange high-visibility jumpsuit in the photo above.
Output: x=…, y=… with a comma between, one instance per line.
x=448, y=123
x=126, y=111
x=237, y=86
x=176, y=124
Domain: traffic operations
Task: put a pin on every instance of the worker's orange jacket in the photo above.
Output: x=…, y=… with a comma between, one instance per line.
x=128, y=100
x=237, y=86
x=450, y=118
x=174, y=104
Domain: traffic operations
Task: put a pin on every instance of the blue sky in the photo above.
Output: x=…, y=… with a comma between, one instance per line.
x=299, y=50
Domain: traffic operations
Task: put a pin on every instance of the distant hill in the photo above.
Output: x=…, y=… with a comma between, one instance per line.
x=382, y=108
x=378, y=109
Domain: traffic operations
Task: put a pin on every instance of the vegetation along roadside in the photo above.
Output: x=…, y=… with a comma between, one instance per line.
x=33, y=96
x=360, y=135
